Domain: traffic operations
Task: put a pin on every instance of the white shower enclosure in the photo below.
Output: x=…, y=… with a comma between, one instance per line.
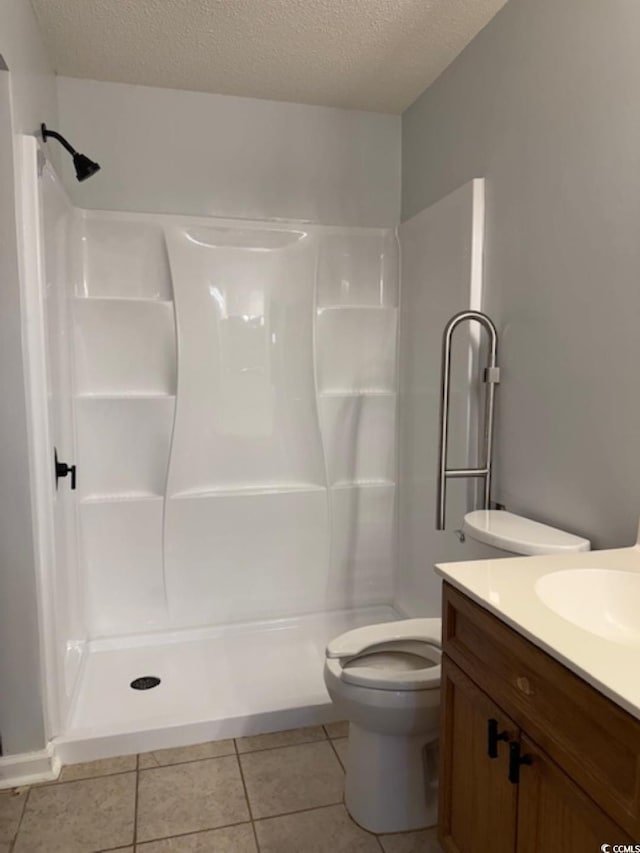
x=228, y=392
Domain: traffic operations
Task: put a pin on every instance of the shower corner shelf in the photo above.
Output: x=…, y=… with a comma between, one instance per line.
x=363, y=484
x=362, y=392
x=229, y=490
x=358, y=306
x=121, y=497
x=123, y=300
x=134, y=395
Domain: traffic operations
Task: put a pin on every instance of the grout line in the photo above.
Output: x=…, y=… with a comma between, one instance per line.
x=188, y=761
x=183, y=834
x=236, y=751
x=301, y=811
x=335, y=737
x=283, y=746
x=57, y=782
x=252, y=821
x=246, y=795
x=135, y=805
x=13, y=841
x=337, y=755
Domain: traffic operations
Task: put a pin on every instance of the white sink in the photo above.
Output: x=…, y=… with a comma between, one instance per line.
x=604, y=602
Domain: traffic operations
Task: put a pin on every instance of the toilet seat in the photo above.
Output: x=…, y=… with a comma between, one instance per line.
x=402, y=655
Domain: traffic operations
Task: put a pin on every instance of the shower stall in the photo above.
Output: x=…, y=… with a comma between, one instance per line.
x=228, y=392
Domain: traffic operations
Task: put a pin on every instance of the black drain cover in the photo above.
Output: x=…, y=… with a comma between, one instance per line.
x=145, y=682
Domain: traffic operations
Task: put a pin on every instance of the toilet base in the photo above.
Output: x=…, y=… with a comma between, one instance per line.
x=391, y=783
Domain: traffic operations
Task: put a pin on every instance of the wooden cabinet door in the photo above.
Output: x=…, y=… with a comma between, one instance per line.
x=477, y=801
x=555, y=815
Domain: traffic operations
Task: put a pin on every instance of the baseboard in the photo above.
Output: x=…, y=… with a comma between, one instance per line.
x=27, y=768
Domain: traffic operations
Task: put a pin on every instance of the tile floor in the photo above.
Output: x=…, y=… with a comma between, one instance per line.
x=275, y=793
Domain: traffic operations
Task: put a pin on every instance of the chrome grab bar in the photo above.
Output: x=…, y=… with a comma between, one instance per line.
x=491, y=378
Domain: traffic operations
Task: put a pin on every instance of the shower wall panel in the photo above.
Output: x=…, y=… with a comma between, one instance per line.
x=442, y=274
x=238, y=448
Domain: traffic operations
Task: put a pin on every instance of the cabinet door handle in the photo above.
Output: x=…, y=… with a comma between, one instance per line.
x=516, y=760
x=493, y=737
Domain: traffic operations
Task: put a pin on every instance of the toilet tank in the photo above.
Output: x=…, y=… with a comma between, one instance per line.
x=514, y=534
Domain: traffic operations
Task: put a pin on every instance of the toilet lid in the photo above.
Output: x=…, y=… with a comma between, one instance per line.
x=397, y=665
x=400, y=655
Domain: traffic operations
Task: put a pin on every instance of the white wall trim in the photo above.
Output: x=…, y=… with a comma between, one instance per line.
x=30, y=252
x=27, y=768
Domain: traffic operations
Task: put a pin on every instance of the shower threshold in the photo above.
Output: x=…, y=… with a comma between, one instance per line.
x=215, y=683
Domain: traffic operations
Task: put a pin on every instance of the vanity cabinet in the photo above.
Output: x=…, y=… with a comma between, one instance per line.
x=532, y=757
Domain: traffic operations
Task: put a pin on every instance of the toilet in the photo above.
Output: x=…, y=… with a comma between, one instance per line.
x=385, y=680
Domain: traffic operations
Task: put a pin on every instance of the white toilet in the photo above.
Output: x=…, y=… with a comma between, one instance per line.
x=385, y=680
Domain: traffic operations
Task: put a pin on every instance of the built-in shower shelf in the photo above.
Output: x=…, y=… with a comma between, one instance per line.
x=136, y=395
x=124, y=497
x=249, y=489
x=354, y=307
x=373, y=392
x=363, y=484
x=124, y=300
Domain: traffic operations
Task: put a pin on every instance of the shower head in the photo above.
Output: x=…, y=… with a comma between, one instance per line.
x=83, y=165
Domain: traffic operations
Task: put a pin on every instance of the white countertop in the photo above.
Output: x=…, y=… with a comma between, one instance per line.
x=506, y=587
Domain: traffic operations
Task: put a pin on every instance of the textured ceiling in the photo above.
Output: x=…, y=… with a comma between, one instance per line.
x=361, y=54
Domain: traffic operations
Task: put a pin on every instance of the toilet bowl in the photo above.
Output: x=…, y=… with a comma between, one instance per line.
x=385, y=680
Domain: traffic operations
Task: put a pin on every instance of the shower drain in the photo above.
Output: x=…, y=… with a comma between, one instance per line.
x=145, y=682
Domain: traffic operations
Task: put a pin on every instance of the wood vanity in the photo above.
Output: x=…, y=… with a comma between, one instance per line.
x=532, y=758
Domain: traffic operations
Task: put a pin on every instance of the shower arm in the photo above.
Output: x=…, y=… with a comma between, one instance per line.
x=491, y=378
x=46, y=133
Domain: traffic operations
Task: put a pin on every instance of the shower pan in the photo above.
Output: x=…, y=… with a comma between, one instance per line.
x=227, y=391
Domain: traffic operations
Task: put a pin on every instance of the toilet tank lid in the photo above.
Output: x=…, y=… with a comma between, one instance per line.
x=520, y=535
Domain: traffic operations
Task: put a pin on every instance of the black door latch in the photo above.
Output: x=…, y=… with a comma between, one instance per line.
x=62, y=470
x=493, y=736
x=516, y=760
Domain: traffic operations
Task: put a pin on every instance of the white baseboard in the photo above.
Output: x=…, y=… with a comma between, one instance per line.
x=26, y=768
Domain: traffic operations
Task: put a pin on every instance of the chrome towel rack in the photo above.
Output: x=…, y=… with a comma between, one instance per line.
x=491, y=378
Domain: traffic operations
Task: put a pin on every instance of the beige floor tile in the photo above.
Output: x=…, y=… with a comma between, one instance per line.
x=231, y=839
x=335, y=730
x=103, y=767
x=425, y=841
x=328, y=830
x=341, y=745
x=292, y=778
x=11, y=807
x=178, y=755
x=94, y=814
x=189, y=797
x=277, y=739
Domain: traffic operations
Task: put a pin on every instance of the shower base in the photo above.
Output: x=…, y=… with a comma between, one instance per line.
x=214, y=683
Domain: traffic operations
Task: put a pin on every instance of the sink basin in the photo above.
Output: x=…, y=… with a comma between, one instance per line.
x=604, y=602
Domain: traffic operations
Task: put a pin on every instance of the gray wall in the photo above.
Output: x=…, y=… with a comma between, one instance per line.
x=545, y=103
x=27, y=97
